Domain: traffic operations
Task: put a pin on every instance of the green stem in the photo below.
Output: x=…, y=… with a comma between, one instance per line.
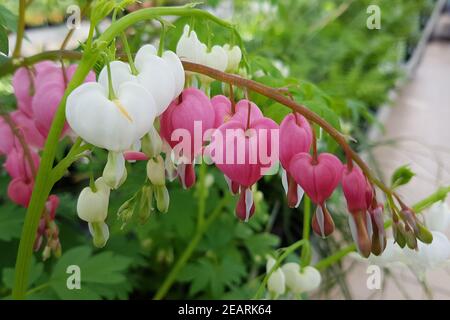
x=286, y=253
x=324, y=263
x=128, y=52
x=202, y=194
x=306, y=252
x=187, y=253
x=20, y=28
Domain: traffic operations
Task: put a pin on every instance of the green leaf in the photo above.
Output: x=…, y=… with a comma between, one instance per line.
x=8, y=20
x=401, y=176
x=4, y=44
x=260, y=244
x=35, y=272
x=97, y=272
x=11, y=220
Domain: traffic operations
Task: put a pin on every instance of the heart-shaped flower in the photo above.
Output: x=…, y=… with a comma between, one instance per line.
x=308, y=279
x=189, y=47
x=114, y=124
x=318, y=178
x=27, y=126
x=295, y=137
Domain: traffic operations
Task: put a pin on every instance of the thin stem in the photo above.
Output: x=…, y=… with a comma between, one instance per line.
x=111, y=93
x=187, y=253
x=306, y=256
x=286, y=253
x=128, y=52
x=274, y=94
x=20, y=28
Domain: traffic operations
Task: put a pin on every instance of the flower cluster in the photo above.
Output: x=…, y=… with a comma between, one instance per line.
x=38, y=90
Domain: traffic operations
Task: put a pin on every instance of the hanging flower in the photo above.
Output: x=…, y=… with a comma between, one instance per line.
x=234, y=55
x=295, y=137
x=299, y=281
x=276, y=284
x=113, y=120
x=318, y=177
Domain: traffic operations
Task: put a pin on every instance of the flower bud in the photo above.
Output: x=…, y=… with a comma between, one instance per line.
x=145, y=203
x=399, y=234
x=152, y=143
x=92, y=206
x=162, y=198
x=155, y=171
x=424, y=234
x=379, y=234
x=99, y=232
x=115, y=172
x=126, y=211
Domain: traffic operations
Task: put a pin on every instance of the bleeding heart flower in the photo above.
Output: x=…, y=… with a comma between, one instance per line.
x=295, y=137
x=239, y=152
x=276, y=282
x=189, y=47
x=20, y=190
x=23, y=84
x=318, y=178
x=216, y=58
x=222, y=109
x=114, y=123
x=354, y=185
x=189, y=118
x=234, y=55
x=308, y=279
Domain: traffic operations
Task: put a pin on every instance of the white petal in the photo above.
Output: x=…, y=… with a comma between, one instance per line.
x=120, y=73
x=157, y=78
x=142, y=55
x=175, y=65
x=300, y=193
x=284, y=180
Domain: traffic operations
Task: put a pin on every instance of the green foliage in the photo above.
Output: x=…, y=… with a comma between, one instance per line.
x=401, y=176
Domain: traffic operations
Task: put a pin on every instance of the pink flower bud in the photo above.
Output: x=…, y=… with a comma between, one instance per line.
x=295, y=137
x=354, y=185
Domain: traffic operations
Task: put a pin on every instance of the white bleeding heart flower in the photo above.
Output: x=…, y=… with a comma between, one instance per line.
x=189, y=47
x=276, y=283
x=115, y=172
x=299, y=281
x=234, y=55
x=438, y=217
x=92, y=206
x=217, y=59
x=291, y=272
x=113, y=123
x=155, y=75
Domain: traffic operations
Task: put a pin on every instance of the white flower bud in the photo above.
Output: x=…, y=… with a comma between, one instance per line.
x=156, y=171
x=115, y=172
x=93, y=206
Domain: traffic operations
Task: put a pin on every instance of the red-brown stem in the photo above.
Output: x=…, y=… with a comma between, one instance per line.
x=307, y=113
x=233, y=103
x=9, y=120
x=314, y=145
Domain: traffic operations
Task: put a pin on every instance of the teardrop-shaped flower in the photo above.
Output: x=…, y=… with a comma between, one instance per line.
x=114, y=124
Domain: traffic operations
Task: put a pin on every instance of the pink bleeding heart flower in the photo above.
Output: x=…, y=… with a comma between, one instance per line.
x=242, y=109
x=223, y=110
x=28, y=129
x=50, y=89
x=356, y=192
x=242, y=154
x=17, y=164
x=23, y=84
x=295, y=137
x=19, y=191
x=319, y=178
x=183, y=127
